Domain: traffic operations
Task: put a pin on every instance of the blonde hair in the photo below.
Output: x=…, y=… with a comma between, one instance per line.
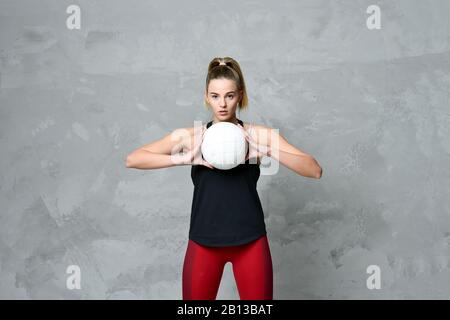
x=227, y=68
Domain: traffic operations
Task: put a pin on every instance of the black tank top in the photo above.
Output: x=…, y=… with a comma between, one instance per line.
x=226, y=209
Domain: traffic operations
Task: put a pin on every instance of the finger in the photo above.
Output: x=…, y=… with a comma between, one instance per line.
x=198, y=138
x=253, y=144
x=197, y=146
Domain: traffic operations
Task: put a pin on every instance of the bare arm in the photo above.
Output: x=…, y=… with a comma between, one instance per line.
x=293, y=158
x=277, y=147
x=161, y=153
x=143, y=159
x=302, y=164
x=165, y=152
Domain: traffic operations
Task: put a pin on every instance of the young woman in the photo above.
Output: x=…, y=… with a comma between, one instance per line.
x=227, y=219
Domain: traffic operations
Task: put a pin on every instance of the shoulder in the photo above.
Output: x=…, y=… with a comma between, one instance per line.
x=191, y=130
x=255, y=125
x=265, y=135
x=188, y=130
x=257, y=128
x=187, y=134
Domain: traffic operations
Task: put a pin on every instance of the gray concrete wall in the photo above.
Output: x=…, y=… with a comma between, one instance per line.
x=372, y=106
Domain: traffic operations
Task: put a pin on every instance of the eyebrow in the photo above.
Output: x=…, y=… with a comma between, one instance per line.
x=225, y=93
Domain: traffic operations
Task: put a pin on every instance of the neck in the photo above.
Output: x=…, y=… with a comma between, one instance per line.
x=232, y=120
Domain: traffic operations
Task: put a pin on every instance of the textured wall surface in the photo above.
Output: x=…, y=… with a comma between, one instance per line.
x=372, y=106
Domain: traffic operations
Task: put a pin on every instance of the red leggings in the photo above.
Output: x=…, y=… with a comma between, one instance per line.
x=252, y=268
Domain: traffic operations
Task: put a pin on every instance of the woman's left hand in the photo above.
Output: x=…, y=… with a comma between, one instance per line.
x=255, y=150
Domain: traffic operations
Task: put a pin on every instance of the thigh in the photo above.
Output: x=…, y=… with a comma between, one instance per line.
x=202, y=272
x=252, y=268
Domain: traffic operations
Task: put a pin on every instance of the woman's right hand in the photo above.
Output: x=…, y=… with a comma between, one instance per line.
x=193, y=156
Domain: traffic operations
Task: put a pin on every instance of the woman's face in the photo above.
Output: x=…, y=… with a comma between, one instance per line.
x=222, y=95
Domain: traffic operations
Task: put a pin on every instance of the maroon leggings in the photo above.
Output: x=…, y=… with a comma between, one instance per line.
x=252, y=268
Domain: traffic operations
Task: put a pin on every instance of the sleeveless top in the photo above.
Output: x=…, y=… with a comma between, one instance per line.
x=226, y=209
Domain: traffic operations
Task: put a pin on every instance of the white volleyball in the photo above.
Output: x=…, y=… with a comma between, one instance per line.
x=224, y=145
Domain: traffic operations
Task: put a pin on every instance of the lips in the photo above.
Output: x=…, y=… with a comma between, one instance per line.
x=223, y=112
